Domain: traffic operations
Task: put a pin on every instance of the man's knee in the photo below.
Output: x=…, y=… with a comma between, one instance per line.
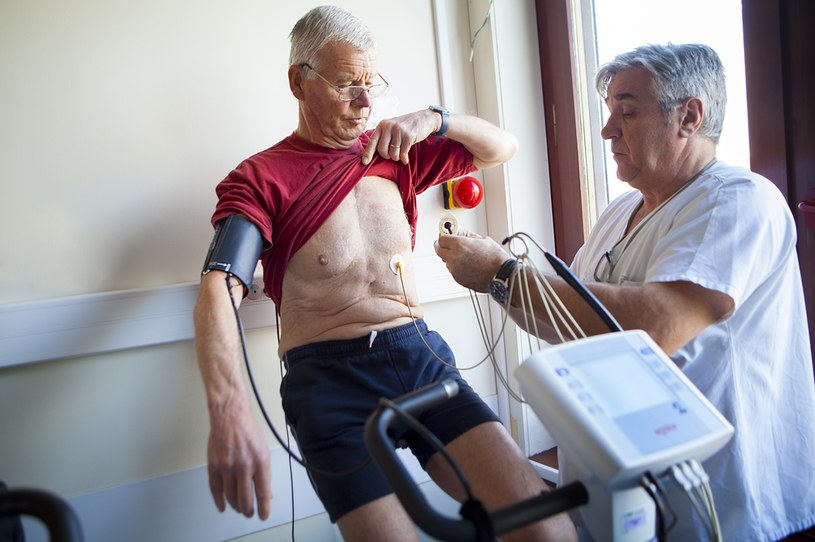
x=382, y=519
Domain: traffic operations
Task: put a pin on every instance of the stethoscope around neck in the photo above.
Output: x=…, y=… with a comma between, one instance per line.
x=609, y=255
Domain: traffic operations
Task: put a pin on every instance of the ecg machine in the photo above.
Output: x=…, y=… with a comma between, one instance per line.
x=620, y=411
x=619, y=408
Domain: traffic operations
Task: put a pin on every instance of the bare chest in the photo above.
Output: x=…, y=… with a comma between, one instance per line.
x=367, y=226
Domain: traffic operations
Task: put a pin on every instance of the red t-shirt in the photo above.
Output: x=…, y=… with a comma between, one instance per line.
x=289, y=190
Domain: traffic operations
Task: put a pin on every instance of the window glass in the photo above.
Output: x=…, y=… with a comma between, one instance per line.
x=622, y=25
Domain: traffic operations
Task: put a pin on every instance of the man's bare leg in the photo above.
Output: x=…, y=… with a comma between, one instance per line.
x=382, y=519
x=499, y=475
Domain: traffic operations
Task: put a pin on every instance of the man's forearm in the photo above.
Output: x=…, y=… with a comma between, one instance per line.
x=529, y=311
x=672, y=313
x=489, y=145
x=217, y=342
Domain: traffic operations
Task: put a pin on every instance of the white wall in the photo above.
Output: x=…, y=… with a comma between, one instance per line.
x=119, y=118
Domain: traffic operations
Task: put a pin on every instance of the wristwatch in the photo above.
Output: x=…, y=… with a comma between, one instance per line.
x=499, y=286
x=445, y=117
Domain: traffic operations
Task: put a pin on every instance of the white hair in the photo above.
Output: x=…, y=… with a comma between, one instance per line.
x=678, y=72
x=323, y=25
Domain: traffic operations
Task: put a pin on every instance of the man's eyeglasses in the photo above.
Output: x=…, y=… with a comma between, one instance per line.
x=607, y=269
x=350, y=93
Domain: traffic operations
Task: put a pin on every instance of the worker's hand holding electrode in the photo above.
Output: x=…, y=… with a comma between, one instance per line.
x=471, y=258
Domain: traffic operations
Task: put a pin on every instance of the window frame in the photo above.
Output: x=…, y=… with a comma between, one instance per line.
x=560, y=80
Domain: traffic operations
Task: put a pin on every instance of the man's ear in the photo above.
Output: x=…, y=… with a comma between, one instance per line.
x=691, y=114
x=296, y=81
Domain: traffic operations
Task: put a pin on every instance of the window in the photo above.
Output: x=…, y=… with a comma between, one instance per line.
x=615, y=26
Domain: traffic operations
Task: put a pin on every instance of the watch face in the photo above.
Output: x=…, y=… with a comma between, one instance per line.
x=499, y=292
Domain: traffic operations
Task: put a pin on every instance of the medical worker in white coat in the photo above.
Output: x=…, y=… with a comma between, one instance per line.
x=701, y=255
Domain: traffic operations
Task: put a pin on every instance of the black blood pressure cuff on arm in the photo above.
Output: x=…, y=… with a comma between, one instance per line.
x=235, y=249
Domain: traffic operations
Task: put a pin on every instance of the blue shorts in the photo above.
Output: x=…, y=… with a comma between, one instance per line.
x=331, y=388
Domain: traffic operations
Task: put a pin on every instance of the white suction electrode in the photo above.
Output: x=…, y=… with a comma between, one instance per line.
x=396, y=264
x=448, y=225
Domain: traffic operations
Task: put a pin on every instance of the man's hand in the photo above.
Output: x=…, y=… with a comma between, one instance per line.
x=393, y=138
x=238, y=464
x=472, y=259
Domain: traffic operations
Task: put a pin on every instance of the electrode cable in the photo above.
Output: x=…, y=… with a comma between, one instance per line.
x=315, y=470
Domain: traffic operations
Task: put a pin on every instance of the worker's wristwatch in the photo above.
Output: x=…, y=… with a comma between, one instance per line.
x=499, y=286
x=445, y=118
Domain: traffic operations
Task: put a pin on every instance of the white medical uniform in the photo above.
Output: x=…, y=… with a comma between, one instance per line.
x=731, y=230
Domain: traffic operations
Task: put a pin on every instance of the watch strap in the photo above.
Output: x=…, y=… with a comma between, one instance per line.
x=445, y=120
x=506, y=270
x=499, y=285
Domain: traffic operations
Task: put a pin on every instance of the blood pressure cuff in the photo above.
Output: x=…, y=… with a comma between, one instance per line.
x=235, y=249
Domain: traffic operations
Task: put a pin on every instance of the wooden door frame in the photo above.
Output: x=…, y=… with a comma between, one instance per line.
x=562, y=139
x=775, y=52
x=763, y=71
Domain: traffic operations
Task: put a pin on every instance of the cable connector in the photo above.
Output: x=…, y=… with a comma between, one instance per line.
x=692, y=477
x=699, y=471
x=681, y=479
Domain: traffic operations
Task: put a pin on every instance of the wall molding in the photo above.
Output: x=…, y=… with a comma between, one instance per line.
x=178, y=507
x=109, y=321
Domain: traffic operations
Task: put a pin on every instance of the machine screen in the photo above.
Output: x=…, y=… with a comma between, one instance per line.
x=629, y=387
x=634, y=389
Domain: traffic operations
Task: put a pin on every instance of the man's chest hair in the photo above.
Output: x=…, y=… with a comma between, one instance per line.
x=368, y=225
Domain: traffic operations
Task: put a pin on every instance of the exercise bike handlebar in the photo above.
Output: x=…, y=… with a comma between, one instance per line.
x=57, y=515
x=437, y=525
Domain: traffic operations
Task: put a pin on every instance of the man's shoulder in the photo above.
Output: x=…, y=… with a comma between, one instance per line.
x=278, y=149
x=744, y=184
x=736, y=176
x=290, y=153
x=735, y=194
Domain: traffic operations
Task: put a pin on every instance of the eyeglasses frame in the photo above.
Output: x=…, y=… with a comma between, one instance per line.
x=609, y=266
x=352, y=88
